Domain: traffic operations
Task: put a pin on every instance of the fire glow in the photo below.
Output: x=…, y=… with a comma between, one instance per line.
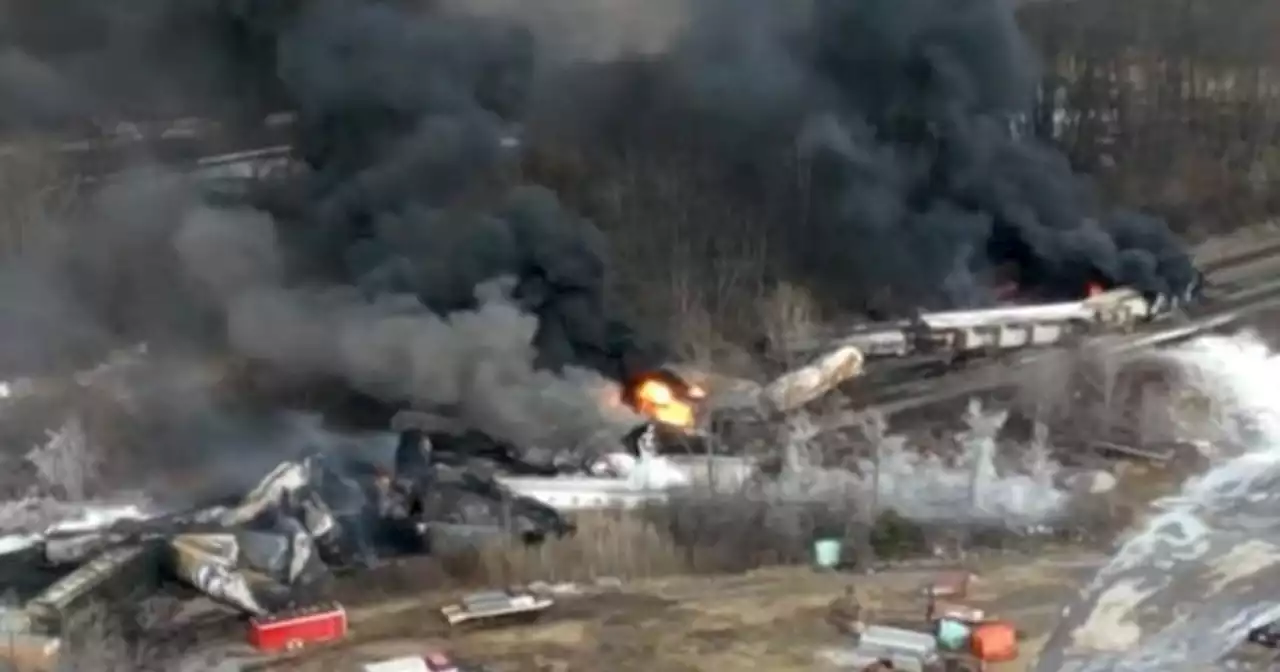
x=667, y=402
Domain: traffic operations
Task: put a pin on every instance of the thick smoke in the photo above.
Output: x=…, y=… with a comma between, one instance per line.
x=408, y=121
x=904, y=122
x=892, y=129
x=411, y=206
x=477, y=365
x=412, y=217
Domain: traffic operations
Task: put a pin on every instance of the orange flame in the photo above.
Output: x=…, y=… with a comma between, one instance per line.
x=660, y=401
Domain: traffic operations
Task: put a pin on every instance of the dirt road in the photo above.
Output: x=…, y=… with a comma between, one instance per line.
x=769, y=619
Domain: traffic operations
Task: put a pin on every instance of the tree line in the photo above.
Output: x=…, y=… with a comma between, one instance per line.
x=1172, y=105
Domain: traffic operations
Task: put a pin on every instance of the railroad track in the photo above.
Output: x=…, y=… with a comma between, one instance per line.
x=1259, y=253
x=994, y=376
x=1236, y=267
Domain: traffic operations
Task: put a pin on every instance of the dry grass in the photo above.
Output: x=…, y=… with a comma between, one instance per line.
x=772, y=619
x=607, y=543
x=104, y=640
x=709, y=536
x=732, y=534
x=714, y=535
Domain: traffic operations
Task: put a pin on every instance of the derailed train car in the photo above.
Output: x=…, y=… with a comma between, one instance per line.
x=1003, y=328
x=270, y=550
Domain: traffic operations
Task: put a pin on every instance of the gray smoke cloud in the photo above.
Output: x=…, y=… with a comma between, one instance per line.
x=477, y=365
x=98, y=276
x=574, y=31
x=32, y=93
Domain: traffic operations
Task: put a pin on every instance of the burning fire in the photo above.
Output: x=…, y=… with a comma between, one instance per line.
x=667, y=398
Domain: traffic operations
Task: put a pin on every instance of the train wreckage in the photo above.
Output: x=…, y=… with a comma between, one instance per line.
x=272, y=548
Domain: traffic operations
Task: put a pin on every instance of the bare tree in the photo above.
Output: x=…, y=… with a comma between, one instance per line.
x=65, y=463
x=980, y=441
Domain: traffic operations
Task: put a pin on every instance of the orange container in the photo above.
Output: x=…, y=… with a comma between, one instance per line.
x=995, y=642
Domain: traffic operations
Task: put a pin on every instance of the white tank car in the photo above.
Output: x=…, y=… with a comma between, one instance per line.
x=1117, y=307
x=1006, y=327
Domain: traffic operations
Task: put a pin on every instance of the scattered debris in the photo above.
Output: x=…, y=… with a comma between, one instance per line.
x=951, y=585
x=953, y=635
x=261, y=552
x=562, y=588
x=269, y=549
x=902, y=649
x=432, y=661
x=942, y=597
x=1267, y=635
x=845, y=613
x=495, y=605
x=1155, y=454
x=960, y=613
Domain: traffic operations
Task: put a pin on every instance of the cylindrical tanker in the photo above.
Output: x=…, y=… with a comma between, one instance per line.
x=1000, y=328
x=1107, y=308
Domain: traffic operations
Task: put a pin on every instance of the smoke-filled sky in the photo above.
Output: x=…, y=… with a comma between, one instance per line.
x=902, y=111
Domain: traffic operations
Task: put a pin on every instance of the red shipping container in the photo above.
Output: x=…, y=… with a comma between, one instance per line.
x=995, y=642
x=292, y=630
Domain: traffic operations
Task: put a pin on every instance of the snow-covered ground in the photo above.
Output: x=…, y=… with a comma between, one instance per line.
x=1185, y=590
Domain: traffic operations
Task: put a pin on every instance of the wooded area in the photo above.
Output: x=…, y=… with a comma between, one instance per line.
x=1171, y=106
x=1174, y=106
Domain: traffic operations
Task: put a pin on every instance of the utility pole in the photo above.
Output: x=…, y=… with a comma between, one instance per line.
x=874, y=428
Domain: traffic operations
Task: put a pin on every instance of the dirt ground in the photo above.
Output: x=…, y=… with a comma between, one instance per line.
x=770, y=619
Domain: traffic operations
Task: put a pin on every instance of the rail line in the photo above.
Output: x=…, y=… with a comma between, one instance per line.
x=1220, y=264
x=873, y=390
x=1224, y=273
x=994, y=376
x=1235, y=304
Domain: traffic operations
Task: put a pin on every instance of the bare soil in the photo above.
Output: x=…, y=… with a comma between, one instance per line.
x=771, y=619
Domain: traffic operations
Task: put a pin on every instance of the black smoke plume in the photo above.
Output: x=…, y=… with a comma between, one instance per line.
x=891, y=128
x=905, y=123
x=409, y=261
x=408, y=121
x=416, y=266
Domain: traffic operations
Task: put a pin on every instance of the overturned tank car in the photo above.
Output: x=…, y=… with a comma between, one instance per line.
x=273, y=548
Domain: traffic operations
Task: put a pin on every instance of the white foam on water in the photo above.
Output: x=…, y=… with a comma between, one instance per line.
x=1185, y=590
